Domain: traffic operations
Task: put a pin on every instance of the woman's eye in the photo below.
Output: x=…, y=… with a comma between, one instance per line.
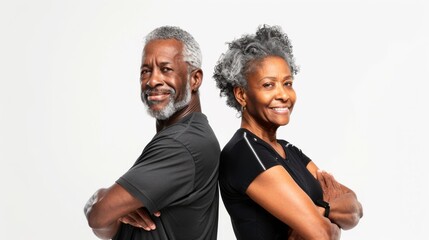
x=288, y=84
x=267, y=85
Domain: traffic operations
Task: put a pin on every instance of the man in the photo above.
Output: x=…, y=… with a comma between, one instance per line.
x=171, y=190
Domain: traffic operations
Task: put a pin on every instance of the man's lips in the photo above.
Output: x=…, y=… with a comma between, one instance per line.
x=157, y=94
x=158, y=97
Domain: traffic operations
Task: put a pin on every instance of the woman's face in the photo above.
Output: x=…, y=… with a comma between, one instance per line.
x=270, y=96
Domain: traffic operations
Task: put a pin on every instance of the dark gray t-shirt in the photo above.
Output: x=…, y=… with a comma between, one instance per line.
x=177, y=174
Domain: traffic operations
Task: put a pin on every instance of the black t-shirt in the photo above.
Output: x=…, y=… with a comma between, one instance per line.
x=177, y=174
x=243, y=158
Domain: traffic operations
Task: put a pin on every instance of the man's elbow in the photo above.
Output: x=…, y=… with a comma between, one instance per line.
x=95, y=220
x=101, y=228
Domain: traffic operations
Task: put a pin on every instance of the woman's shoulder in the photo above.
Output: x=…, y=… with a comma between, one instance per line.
x=244, y=137
x=289, y=146
x=235, y=141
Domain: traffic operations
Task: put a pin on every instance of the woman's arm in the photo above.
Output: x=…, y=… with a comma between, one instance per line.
x=346, y=210
x=274, y=189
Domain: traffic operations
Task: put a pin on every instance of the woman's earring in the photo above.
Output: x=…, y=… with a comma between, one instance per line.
x=240, y=113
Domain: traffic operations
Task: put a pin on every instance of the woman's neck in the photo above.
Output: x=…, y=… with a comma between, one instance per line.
x=266, y=133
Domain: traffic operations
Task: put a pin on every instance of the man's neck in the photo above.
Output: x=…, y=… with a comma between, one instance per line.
x=193, y=106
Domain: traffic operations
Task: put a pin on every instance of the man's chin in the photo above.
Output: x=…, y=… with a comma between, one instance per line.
x=161, y=113
x=157, y=114
x=155, y=108
x=163, y=110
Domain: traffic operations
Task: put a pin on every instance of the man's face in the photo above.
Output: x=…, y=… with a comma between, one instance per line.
x=164, y=78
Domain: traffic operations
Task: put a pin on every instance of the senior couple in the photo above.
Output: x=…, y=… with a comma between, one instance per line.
x=270, y=188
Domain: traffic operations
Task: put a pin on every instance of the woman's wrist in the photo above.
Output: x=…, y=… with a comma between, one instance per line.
x=325, y=206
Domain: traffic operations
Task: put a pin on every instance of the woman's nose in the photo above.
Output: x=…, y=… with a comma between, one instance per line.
x=282, y=93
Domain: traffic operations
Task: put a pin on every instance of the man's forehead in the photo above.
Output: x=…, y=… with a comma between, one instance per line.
x=163, y=45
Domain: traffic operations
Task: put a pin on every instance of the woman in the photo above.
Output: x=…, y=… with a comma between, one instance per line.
x=269, y=187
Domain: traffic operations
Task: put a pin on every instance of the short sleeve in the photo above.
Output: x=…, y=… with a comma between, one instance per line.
x=297, y=152
x=305, y=160
x=247, y=157
x=163, y=174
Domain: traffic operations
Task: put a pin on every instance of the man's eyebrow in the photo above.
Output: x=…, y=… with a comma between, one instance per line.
x=164, y=63
x=149, y=65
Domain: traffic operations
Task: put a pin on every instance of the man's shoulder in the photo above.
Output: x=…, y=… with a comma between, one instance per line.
x=192, y=128
x=190, y=124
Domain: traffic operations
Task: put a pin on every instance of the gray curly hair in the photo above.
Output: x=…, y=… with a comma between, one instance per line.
x=191, y=49
x=231, y=69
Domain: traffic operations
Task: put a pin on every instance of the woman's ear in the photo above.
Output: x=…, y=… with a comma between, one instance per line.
x=196, y=79
x=240, y=95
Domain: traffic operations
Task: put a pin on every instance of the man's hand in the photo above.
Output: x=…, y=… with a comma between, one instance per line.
x=141, y=219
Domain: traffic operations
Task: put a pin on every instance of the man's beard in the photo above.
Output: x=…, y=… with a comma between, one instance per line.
x=172, y=107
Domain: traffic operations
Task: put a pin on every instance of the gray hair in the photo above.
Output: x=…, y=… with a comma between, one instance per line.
x=191, y=49
x=231, y=69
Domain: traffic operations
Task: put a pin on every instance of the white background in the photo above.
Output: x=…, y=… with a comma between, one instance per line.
x=71, y=119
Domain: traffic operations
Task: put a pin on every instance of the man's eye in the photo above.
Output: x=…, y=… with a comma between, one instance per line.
x=166, y=69
x=288, y=84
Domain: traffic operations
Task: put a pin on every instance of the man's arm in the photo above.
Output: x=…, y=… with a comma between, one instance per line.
x=106, y=207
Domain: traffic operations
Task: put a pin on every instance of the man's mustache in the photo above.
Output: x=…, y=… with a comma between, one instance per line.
x=154, y=91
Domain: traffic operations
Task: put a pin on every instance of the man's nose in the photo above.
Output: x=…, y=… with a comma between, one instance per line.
x=155, y=79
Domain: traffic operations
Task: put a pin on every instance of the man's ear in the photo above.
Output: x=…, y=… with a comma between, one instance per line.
x=240, y=95
x=196, y=79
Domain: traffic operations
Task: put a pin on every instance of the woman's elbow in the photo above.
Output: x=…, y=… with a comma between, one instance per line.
x=354, y=218
x=359, y=213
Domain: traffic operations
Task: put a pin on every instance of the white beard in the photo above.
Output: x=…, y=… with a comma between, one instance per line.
x=172, y=107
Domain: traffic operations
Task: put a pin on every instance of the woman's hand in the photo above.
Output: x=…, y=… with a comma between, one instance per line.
x=293, y=235
x=346, y=210
x=331, y=188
